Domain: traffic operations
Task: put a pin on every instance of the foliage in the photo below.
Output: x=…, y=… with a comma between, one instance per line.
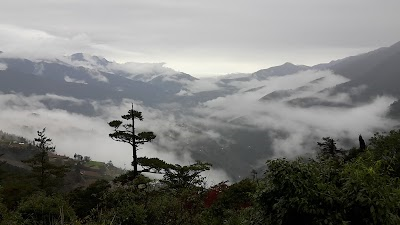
x=126, y=133
x=327, y=148
x=300, y=192
x=385, y=150
x=8, y=217
x=177, y=176
x=84, y=200
x=47, y=174
x=371, y=197
x=363, y=190
x=356, y=186
x=42, y=209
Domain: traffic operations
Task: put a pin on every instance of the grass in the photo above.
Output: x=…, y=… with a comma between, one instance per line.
x=94, y=164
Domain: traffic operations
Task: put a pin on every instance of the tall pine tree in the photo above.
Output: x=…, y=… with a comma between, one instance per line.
x=125, y=132
x=48, y=174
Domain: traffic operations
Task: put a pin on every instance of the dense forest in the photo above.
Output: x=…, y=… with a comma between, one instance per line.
x=338, y=186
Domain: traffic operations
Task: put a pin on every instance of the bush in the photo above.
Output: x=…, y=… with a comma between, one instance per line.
x=42, y=209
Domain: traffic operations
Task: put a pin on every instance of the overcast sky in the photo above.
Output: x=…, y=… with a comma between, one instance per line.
x=207, y=37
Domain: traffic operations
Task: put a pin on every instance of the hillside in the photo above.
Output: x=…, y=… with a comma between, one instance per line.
x=82, y=171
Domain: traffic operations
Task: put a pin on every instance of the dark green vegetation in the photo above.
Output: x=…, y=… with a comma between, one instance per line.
x=356, y=186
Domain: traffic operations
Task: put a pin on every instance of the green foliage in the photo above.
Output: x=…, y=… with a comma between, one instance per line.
x=385, y=149
x=372, y=197
x=9, y=217
x=300, y=192
x=177, y=176
x=153, y=164
x=327, y=148
x=362, y=190
x=48, y=175
x=238, y=195
x=42, y=209
x=129, y=179
x=84, y=200
x=15, y=187
x=123, y=206
x=338, y=187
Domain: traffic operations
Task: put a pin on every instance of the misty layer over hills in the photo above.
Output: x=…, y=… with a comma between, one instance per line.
x=236, y=122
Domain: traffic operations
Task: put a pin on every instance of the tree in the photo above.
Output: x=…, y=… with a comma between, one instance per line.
x=125, y=132
x=328, y=147
x=362, y=143
x=87, y=159
x=84, y=200
x=45, y=172
x=177, y=176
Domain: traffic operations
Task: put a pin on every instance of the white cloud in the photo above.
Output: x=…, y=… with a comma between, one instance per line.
x=204, y=84
x=72, y=80
x=302, y=126
x=231, y=36
x=3, y=66
x=150, y=70
x=75, y=133
x=293, y=129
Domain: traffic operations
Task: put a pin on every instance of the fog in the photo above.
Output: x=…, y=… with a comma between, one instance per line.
x=75, y=133
x=3, y=66
x=293, y=127
x=332, y=115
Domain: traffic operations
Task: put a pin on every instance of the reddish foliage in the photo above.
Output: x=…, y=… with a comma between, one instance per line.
x=213, y=193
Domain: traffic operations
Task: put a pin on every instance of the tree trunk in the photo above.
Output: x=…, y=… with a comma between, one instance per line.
x=134, y=155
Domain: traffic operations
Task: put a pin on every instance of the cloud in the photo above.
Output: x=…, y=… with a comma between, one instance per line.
x=40, y=44
x=151, y=70
x=76, y=133
x=72, y=80
x=294, y=129
x=37, y=43
x=231, y=36
x=3, y=66
x=185, y=133
x=97, y=76
x=200, y=85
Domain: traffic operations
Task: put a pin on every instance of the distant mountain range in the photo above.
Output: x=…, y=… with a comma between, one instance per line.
x=91, y=77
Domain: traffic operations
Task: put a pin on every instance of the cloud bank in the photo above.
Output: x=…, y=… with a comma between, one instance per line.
x=231, y=36
x=299, y=111
x=293, y=128
x=75, y=133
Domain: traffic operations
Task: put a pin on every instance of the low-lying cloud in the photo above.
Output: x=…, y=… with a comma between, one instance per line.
x=3, y=66
x=293, y=128
x=76, y=133
x=306, y=112
x=72, y=80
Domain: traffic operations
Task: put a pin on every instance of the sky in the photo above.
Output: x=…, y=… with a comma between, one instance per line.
x=202, y=38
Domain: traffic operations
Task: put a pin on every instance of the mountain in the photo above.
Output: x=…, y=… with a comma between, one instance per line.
x=371, y=74
x=91, y=78
x=284, y=69
x=381, y=79
x=235, y=122
x=355, y=67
